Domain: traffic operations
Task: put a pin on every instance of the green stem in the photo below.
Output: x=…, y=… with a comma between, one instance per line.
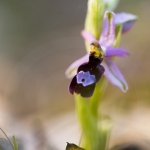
x=93, y=20
x=94, y=16
x=15, y=143
x=96, y=98
x=90, y=140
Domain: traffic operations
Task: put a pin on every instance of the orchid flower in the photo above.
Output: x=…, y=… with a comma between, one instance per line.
x=108, y=41
x=88, y=74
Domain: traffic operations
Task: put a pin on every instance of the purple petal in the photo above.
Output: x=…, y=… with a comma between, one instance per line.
x=114, y=75
x=112, y=51
x=72, y=69
x=126, y=19
x=127, y=26
x=88, y=36
x=108, y=31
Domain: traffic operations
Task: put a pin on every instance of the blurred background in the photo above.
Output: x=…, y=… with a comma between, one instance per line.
x=38, y=41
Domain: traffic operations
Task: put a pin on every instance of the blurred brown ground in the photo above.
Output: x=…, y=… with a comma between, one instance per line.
x=38, y=41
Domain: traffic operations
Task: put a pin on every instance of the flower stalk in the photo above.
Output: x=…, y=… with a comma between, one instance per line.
x=90, y=133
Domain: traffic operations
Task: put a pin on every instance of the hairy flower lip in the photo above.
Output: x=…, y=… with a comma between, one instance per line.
x=88, y=74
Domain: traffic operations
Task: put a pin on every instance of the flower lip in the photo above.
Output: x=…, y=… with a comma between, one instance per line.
x=79, y=88
x=88, y=74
